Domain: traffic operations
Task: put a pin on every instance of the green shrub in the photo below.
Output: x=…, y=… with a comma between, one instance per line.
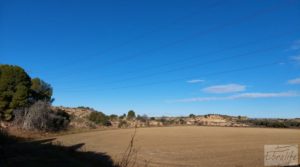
x=192, y=115
x=122, y=116
x=99, y=118
x=130, y=114
x=113, y=117
x=123, y=124
x=142, y=118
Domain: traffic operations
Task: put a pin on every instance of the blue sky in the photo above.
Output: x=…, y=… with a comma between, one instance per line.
x=160, y=57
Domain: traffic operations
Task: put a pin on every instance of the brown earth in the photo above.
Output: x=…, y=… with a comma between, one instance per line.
x=188, y=146
x=79, y=117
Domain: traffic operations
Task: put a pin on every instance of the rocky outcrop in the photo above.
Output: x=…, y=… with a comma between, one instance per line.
x=79, y=117
x=213, y=120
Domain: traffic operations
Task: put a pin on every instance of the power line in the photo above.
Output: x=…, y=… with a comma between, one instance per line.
x=197, y=64
x=185, y=78
x=214, y=73
x=208, y=74
x=219, y=51
x=235, y=22
x=186, y=59
x=194, y=35
x=143, y=35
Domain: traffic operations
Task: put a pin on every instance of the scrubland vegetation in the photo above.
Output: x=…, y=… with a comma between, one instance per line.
x=26, y=105
x=26, y=102
x=273, y=123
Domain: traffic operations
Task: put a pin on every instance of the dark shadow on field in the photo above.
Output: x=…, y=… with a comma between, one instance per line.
x=18, y=152
x=44, y=141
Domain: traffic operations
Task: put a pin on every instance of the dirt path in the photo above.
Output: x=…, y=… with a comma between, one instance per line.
x=188, y=146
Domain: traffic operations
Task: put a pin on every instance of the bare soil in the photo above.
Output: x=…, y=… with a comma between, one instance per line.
x=187, y=146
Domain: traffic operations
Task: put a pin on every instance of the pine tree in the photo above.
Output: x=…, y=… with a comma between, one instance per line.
x=14, y=89
x=41, y=90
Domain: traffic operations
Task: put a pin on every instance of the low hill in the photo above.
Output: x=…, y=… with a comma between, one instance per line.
x=80, y=119
x=79, y=116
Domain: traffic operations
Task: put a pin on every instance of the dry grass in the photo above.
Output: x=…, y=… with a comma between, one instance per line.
x=130, y=155
x=187, y=146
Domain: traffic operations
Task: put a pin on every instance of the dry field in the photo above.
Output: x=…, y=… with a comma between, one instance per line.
x=188, y=146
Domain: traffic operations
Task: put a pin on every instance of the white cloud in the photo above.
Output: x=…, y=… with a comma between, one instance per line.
x=296, y=59
x=241, y=96
x=296, y=45
x=294, y=81
x=229, y=88
x=195, y=81
x=263, y=95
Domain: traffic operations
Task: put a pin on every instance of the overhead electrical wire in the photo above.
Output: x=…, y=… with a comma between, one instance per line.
x=198, y=64
x=258, y=66
x=143, y=35
x=258, y=13
x=280, y=59
x=194, y=57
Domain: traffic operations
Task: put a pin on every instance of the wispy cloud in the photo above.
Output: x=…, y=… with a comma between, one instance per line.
x=263, y=95
x=241, y=96
x=294, y=81
x=193, y=81
x=229, y=88
x=296, y=45
x=296, y=59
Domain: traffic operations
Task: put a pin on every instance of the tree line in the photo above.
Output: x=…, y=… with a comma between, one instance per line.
x=272, y=123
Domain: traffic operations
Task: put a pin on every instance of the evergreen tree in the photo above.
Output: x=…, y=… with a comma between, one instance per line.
x=14, y=89
x=131, y=114
x=41, y=90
